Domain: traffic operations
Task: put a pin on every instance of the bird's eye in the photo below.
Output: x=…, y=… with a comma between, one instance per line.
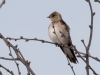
x=53, y=15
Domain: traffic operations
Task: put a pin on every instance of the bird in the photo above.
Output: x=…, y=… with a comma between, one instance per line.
x=59, y=33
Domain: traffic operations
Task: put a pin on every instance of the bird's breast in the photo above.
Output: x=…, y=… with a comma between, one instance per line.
x=58, y=34
x=53, y=34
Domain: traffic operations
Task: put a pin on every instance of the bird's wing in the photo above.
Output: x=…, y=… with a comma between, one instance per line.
x=66, y=33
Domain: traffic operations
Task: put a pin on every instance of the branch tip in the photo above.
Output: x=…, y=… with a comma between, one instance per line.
x=10, y=54
x=93, y=13
x=82, y=40
x=27, y=40
x=0, y=36
x=42, y=41
x=90, y=26
x=21, y=37
x=16, y=46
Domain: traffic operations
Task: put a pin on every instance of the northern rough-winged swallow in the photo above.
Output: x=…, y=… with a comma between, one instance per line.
x=59, y=33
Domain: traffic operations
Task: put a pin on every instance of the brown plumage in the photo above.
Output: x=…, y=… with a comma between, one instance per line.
x=59, y=33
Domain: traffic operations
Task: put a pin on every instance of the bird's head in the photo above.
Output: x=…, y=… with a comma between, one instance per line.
x=55, y=16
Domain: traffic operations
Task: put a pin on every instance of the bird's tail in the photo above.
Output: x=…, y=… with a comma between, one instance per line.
x=69, y=54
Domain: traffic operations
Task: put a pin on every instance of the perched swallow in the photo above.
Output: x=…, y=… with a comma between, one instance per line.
x=59, y=33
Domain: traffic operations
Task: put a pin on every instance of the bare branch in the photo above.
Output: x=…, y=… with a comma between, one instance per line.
x=85, y=61
x=95, y=58
x=71, y=67
x=44, y=41
x=8, y=58
x=1, y=73
x=91, y=26
x=14, y=61
x=11, y=72
x=29, y=39
x=3, y=2
x=58, y=45
x=83, y=43
x=90, y=38
x=97, y=1
x=19, y=55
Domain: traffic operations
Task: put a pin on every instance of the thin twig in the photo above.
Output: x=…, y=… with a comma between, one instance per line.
x=83, y=43
x=90, y=38
x=84, y=60
x=3, y=2
x=71, y=67
x=97, y=1
x=29, y=39
x=1, y=73
x=91, y=26
x=95, y=58
x=11, y=72
x=15, y=61
x=9, y=58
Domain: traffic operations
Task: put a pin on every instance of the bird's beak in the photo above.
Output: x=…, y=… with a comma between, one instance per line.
x=48, y=17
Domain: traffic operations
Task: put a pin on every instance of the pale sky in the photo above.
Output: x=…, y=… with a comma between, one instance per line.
x=28, y=18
